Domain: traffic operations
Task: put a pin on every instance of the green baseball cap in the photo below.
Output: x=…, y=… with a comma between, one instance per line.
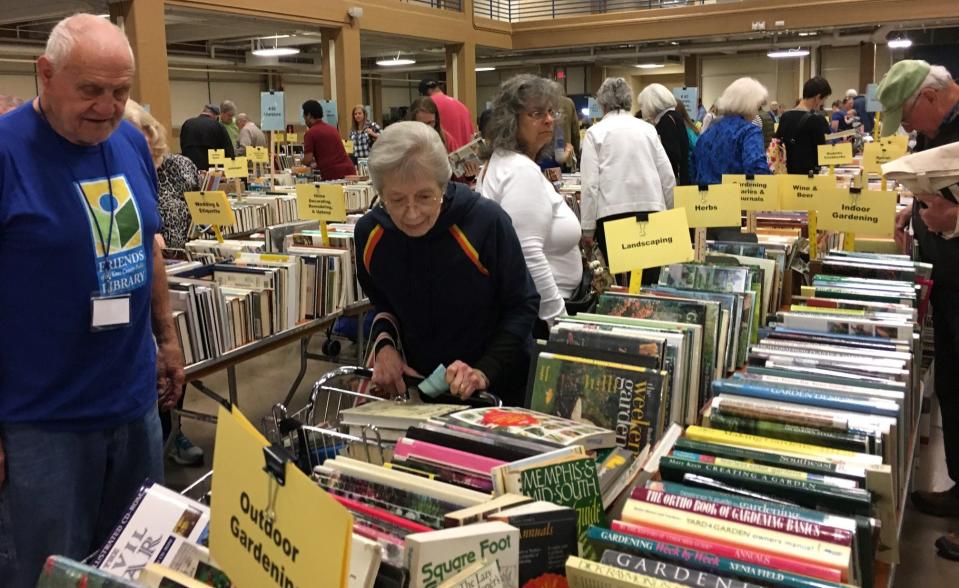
x=900, y=82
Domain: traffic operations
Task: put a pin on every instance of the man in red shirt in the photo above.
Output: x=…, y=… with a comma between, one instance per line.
x=322, y=145
x=456, y=118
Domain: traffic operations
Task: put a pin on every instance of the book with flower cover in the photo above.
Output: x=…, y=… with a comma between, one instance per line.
x=547, y=536
x=626, y=399
x=509, y=422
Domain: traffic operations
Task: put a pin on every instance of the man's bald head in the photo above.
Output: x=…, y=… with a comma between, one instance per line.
x=85, y=74
x=82, y=33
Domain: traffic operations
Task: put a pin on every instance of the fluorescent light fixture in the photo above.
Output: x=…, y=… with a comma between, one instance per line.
x=650, y=65
x=807, y=33
x=395, y=61
x=275, y=51
x=780, y=54
x=484, y=68
x=674, y=42
x=103, y=16
x=899, y=43
x=585, y=111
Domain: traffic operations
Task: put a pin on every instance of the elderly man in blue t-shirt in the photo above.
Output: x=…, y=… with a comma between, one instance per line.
x=88, y=345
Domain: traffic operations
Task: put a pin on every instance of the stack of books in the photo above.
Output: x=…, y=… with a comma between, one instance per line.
x=798, y=473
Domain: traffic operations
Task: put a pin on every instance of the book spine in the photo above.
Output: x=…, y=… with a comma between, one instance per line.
x=776, y=459
x=784, y=413
x=745, y=535
x=770, y=444
x=446, y=456
x=808, y=494
x=382, y=515
x=669, y=572
x=695, y=553
x=790, y=432
x=805, y=514
x=747, y=516
x=798, y=396
x=765, y=469
x=729, y=551
x=582, y=573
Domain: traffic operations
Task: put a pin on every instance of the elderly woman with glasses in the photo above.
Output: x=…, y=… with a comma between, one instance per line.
x=519, y=131
x=626, y=172
x=445, y=272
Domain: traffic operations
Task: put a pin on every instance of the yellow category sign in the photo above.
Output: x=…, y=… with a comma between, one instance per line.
x=716, y=207
x=236, y=168
x=868, y=213
x=883, y=151
x=839, y=154
x=798, y=192
x=258, y=154
x=210, y=208
x=662, y=240
x=216, y=156
x=759, y=193
x=291, y=137
x=290, y=536
x=348, y=145
x=322, y=202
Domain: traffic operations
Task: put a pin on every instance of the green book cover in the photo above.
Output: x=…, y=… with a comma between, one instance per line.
x=803, y=493
x=572, y=483
x=624, y=399
x=791, y=432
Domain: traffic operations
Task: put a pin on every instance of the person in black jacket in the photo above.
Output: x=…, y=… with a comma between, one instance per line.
x=925, y=99
x=802, y=130
x=658, y=106
x=445, y=272
x=204, y=132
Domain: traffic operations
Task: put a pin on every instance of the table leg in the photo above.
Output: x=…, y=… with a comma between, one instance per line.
x=304, y=349
x=231, y=384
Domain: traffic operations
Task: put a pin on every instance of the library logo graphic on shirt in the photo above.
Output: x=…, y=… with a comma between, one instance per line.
x=125, y=269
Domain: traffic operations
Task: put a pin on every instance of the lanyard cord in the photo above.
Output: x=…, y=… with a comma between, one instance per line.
x=104, y=243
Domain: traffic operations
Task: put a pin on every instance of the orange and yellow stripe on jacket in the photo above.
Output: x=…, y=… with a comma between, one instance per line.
x=375, y=235
x=468, y=248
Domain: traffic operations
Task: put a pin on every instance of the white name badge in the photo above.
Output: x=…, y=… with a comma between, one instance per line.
x=109, y=312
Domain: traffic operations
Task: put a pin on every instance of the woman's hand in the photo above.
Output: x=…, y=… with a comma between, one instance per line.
x=388, y=371
x=464, y=380
x=471, y=169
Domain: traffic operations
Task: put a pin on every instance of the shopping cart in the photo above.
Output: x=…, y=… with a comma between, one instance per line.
x=315, y=432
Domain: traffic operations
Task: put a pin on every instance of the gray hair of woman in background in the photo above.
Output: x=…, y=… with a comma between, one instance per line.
x=614, y=94
x=516, y=96
x=408, y=150
x=654, y=100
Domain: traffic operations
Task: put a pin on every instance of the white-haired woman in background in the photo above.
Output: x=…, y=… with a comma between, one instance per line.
x=658, y=106
x=445, y=272
x=519, y=131
x=625, y=170
x=733, y=144
x=176, y=174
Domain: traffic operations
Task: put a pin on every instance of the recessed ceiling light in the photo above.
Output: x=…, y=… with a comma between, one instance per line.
x=103, y=16
x=808, y=33
x=649, y=65
x=674, y=42
x=395, y=61
x=484, y=68
x=275, y=51
x=899, y=43
x=779, y=54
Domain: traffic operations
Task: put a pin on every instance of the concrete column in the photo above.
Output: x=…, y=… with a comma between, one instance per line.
x=461, y=74
x=691, y=71
x=376, y=98
x=142, y=21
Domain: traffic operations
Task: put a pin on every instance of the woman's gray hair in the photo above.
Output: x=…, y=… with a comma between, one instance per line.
x=743, y=97
x=614, y=94
x=654, y=100
x=411, y=149
x=63, y=38
x=518, y=95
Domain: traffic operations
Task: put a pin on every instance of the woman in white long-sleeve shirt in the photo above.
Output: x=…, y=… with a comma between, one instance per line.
x=519, y=130
x=625, y=170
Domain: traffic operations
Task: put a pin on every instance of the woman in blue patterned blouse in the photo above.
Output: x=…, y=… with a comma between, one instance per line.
x=732, y=144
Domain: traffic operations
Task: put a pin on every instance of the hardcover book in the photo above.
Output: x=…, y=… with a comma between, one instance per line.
x=673, y=573
x=547, y=536
x=535, y=425
x=439, y=555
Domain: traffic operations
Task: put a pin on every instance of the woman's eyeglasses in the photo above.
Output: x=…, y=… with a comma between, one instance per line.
x=540, y=115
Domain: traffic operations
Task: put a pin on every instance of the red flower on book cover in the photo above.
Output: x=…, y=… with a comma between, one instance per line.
x=547, y=581
x=504, y=418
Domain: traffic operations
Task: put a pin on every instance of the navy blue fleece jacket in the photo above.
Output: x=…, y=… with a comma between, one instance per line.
x=462, y=291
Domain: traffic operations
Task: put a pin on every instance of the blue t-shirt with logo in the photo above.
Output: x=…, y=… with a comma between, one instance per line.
x=55, y=371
